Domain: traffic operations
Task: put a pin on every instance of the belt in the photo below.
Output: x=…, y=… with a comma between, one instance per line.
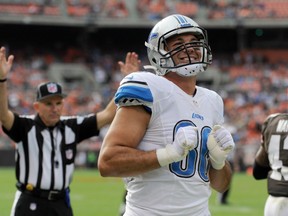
x=44, y=194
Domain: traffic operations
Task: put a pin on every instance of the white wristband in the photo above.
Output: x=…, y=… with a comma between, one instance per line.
x=218, y=165
x=162, y=157
x=168, y=155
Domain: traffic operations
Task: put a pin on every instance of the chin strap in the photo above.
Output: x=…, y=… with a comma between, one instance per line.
x=150, y=67
x=150, y=46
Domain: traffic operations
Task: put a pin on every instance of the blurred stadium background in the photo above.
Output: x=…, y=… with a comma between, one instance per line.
x=78, y=43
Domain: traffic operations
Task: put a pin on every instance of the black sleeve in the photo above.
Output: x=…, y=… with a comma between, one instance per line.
x=14, y=132
x=88, y=128
x=260, y=172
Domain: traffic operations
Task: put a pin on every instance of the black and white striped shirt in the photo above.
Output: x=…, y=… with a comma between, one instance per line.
x=45, y=156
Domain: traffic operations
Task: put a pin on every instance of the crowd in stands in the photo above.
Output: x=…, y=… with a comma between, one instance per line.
x=248, y=9
x=255, y=88
x=75, y=8
x=149, y=9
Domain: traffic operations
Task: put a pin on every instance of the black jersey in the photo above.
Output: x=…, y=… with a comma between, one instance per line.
x=45, y=156
x=275, y=143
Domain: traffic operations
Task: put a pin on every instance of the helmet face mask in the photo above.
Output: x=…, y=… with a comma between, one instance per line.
x=162, y=58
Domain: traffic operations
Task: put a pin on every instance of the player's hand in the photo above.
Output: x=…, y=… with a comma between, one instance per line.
x=132, y=64
x=5, y=64
x=185, y=140
x=220, y=143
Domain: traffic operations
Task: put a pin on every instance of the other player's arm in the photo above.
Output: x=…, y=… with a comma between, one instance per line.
x=6, y=116
x=261, y=165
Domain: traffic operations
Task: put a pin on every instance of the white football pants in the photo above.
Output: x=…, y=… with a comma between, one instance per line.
x=276, y=206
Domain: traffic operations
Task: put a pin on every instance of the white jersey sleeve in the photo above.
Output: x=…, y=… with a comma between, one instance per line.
x=133, y=91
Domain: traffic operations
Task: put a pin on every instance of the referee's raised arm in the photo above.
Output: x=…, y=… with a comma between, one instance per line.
x=6, y=116
x=131, y=64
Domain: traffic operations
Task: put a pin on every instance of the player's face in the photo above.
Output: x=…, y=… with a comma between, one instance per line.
x=50, y=109
x=184, y=49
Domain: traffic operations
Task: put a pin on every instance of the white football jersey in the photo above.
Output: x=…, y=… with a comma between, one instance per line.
x=181, y=188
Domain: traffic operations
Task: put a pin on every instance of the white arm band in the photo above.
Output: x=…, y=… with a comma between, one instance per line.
x=168, y=155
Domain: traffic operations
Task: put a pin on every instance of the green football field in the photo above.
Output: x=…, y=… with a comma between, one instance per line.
x=92, y=195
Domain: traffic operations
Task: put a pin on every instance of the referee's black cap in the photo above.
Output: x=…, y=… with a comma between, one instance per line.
x=48, y=89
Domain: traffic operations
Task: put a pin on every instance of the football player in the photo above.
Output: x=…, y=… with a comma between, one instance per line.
x=271, y=163
x=166, y=139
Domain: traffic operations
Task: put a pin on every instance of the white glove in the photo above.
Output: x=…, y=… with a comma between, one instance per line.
x=185, y=140
x=220, y=143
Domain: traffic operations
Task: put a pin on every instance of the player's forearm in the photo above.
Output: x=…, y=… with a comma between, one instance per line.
x=126, y=162
x=221, y=179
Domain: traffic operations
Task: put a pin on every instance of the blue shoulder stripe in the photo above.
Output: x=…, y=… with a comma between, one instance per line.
x=134, y=90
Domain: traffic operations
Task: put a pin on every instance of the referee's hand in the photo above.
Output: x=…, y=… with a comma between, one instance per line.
x=5, y=64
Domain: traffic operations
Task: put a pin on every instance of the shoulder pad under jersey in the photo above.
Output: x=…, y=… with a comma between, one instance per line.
x=133, y=91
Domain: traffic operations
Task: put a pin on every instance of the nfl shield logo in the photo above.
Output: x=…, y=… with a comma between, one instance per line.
x=52, y=87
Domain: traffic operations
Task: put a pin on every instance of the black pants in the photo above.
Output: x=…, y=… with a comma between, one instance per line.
x=28, y=205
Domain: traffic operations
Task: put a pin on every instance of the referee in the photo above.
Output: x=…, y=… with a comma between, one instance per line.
x=45, y=146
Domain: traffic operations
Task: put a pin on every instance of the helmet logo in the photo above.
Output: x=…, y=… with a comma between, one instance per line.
x=182, y=20
x=153, y=35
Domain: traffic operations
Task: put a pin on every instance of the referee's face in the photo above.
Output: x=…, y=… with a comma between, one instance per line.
x=49, y=109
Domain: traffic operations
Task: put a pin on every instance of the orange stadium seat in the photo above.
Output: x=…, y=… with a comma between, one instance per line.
x=187, y=8
x=78, y=10
x=51, y=10
x=18, y=9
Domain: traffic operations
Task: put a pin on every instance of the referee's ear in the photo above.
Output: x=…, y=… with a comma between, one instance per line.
x=36, y=106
